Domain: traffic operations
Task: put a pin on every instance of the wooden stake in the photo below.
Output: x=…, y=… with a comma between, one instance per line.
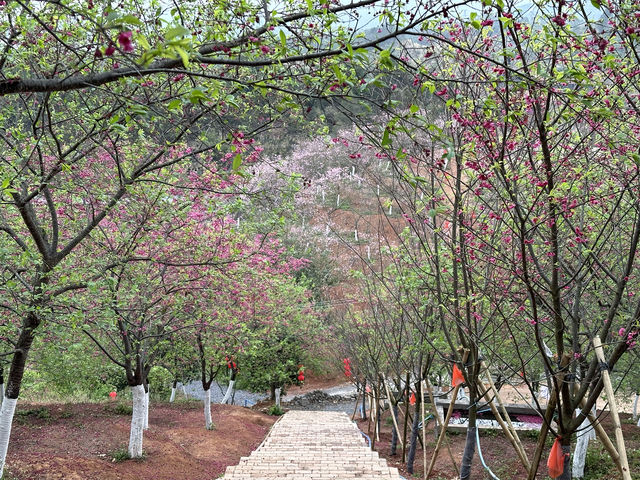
x=370, y=413
x=505, y=428
x=454, y=395
x=395, y=423
x=424, y=432
x=355, y=410
x=626, y=474
x=438, y=420
x=544, y=430
x=496, y=394
x=604, y=438
x=406, y=417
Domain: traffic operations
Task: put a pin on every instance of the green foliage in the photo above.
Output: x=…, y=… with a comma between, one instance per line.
x=275, y=410
x=121, y=408
x=120, y=455
x=41, y=413
x=160, y=381
x=49, y=377
x=598, y=463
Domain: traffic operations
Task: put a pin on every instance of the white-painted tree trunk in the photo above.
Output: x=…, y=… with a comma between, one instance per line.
x=146, y=410
x=635, y=407
x=6, y=419
x=173, y=395
x=208, y=423
x=184, y=390
x=137, y=422
x=1, y=399
x=586, y=433
x=278, y=397
x=227, y=394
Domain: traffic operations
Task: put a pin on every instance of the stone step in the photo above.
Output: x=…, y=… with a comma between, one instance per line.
x=306, y=445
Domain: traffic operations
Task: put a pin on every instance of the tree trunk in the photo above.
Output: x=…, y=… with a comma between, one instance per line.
x=14, y=381
x=227, y=394
x=364, y=400
x=146, y=407
x=173, y=391
x=566, y=450
x=580, y=454
x=137, y=422
x=414, y=438
x=277, y=392
x=394, y=434
x=635, y=407
x=470, y=445
x=6, y=419
x=208, y=423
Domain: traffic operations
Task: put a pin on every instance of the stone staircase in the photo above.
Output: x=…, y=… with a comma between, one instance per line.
x=309, y=445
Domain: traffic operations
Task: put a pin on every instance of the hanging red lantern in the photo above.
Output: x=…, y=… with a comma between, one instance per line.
x=113, y=395
x=412, y=399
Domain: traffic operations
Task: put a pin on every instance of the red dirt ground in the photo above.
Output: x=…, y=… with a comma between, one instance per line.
x=78, y=441
x=500, y=456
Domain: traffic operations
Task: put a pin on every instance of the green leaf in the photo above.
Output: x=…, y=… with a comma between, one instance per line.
x=414, y=108
x=596, y=4
x=5, y=183
x=237, y=161
x=183, y=55
x=177, y=31
x=283, y=39
x=386, y=139
x=174, y=104
x=385, y=59
x=131, y=19
x=197, y=96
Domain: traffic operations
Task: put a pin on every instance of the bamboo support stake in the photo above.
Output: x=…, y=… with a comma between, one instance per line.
x=544, y=430
x=505, y=428
x=370, y=413
x=406, y=418
x=424, y=432
x=604, y=438
x=374, y=419
x=438, y=420
x=454, y=395
x=378, y=413
x=516, y=438
x=626, y=475
x=355, y=410
x=393, y=416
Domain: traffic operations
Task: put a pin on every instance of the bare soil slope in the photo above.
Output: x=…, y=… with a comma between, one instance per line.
x=80, y=441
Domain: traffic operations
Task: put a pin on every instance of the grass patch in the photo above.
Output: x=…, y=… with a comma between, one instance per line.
x=122, y=455
x=598, y=464
x=188, y=403
x=275, y=410
x=531, y=434
x=41, y=413
x=120, y=409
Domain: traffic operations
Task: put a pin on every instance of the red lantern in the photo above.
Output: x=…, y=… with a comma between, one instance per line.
x=301, y=377
x=113, y=395
x=412, y=399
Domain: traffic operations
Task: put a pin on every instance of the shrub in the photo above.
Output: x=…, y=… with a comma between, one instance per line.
x=275, y=410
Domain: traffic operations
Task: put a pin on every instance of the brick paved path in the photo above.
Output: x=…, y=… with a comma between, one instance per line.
x=305, y=445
